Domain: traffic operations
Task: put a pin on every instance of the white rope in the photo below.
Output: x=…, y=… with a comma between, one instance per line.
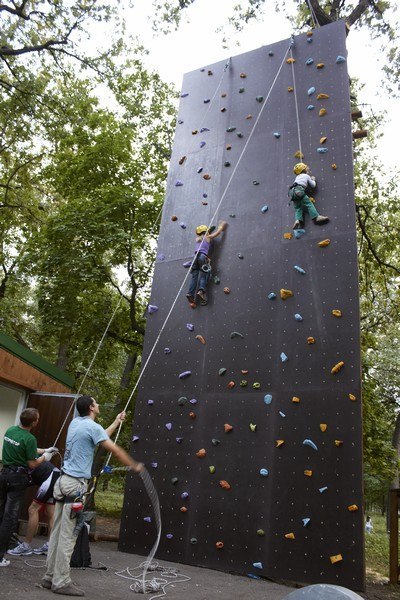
x=167, y=576
x=313, y=15
x=296, y=106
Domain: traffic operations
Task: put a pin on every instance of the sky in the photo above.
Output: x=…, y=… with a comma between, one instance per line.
x=196, y=44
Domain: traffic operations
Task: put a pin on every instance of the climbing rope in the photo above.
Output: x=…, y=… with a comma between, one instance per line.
x=313, y=15
x=295, y=100
x=167, y=576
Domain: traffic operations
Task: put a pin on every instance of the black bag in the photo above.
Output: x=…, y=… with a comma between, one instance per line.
x=81, y=557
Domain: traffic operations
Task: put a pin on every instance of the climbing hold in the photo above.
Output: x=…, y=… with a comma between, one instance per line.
x=290, y=60
x=193, y=401
x=228, y=147
x=323, y=140
x=227, y=164
x=309, y=33
x=285, y=294
x=204, y=129
x=290, y=536
x=268, y=398
x=282, y=414
x=206, y=100
x=183, y=509
x=323, y=489
x=255, y=182
x=295, y=400
x=227, y=428
x=227, y=290
x=168, y=426
x=178, y=183
x=320, y=65
x=310, y=443
x=183, y=225
x=298, y=154
x=201, y=453
x=182, y=160
x=216, y=280
x=193, y=541
x=201, y=339
x=222, y=371
x=340, y=59
x=309, y=61
x=256, y=385
x=271, y=296
x=224, y=484
x=243, y=383
x=223, y=95
x=310, y=340
x=231, y=385
x=167, y=350
x=161, y=256
x=219, y=545
x=223, y=109
x=202, y=144
x=192, y=415
x=240, y=256
x=264, y=208
x=184, y=94
x=244, y=371
x=241, y=90
x=352, y=397
x=243, y=75
x=290, y=89
x=322, y=96
x=336, y=558
x=260, y=532
x=337, y=313
x=150, y=402
x=211, y=468
x=174, y=480
x=179, y=440
x=352, y=507
x=270, y=53
x=147, y=519
x=185, y=374
x=248, y=117
x=236, y=334
x=337, y=367
x=324, y=243
x=259, y=98
x=298, y=317
x=279, y=443
x=310, y=107
x=180, y=121
x=311, y=91
x=184, y=495
x=253, y=426
x=309, y=40
x=135, y=438
x=306, y=521
x=209, y=72
x=284, y=358
x=338, y=443
x=182, y=401
x=322, y=150
x=215, y=442
x=298, y=233
x=257, y=565
x=169, y=536
x=239, y=134
x=232, y=216
x=187, y=264
x=323, y=427
x=264, y=472
x=206, y=176
x=288, y=235
x=230, y=129
x=152, y=308
x=277, y=135
x=334, y=166
x=189, y=326
x=308, y=473
x=322, y=112
x=299, y=270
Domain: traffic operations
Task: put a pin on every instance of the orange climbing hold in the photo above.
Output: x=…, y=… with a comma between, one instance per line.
x=309, y=33
x=352, y=397
x=249, y=117
x=227, y=290
x=224, y=484
x=201, y=339
x=219, y=545
x=310, y=340
x=322, y=112
x=279, y=443
x=288, y=235
x=295, y=399
x=290, y=60
x=201, y=453
x=320, y=65
x=324, y=243
x=338, y=442
x=308, y=472
x=174, y=218
x=183, y=509
x=323, y=426
x=323, y=139
x=286, y=294
x=336, y=558
x=206, y=176
x=192, y=415
x=322, y=96
x=337, y=313
x=352, y=507
x=334, y=166
x=231, y=385
x=227, y=428
x=337, y=367
x=298, y=154
x=290, y=536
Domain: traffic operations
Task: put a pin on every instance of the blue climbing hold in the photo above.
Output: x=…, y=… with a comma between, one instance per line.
x=183, y=225
x=282, y=414
x=323, y=489
x=264, y=208
x=310, y=107
x=268, y=398
x=178, y=183
x=310, y=443
x=187, y=264
x=152, y=308
x=180, y=121
x=264, y=472
x=193, y=401
x=150, y=402
x=189, y=326
x=185, y=374
x=184, y=94
x=284, y=358
x=298, y=233
x=147, y=519
x=205, y=195
x=277, y=135
x=299, y=270
x=107, y=469
x=340, y=59
x=161, y=257
x=298, y=317
x=306, y=521
x=184, y=495
x=257, y=565
x=179, y=440
x=253, y=576
x=154, y=465
x=169, y=536
x=309, y=61
x=309, y=40
x=311, y=91
x=271, y=296
x=322, y=150
x=206, y=100
x=270, y=53
x=135, y=438
x=168, y=426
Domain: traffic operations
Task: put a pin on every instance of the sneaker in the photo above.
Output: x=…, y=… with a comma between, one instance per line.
x=203, y=298
x=190, y=298
x=45, y=583
x=68, y=590
x=4, y=562
x=320, y=220
x=42, y=550
x=22, y=549
x=298, y=225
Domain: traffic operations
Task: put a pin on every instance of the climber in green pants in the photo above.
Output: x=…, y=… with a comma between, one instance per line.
x=302, y=203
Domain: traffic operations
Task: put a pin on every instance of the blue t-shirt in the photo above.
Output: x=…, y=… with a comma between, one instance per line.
x=83, y=436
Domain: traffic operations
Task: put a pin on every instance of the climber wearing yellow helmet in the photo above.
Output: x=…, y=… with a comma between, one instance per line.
x=201, y=268
x=302, y=203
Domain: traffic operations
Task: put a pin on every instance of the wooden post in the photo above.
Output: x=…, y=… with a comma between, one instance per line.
x=394, y=536
x=360, y=133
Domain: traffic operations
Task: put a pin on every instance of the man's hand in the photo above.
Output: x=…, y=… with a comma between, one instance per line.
x=52, y=450
x=48, y=455
x=137, y=467
x=223, y=225
x=121, y=417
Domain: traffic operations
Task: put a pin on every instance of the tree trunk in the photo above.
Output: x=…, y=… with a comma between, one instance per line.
x=62, y=359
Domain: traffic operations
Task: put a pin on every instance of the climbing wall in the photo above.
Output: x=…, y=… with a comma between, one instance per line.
x=249, y=415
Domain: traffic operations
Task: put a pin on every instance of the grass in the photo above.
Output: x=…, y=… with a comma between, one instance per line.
x=109, y=502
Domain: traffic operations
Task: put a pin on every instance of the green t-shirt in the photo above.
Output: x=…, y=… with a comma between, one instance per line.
x=19, y=446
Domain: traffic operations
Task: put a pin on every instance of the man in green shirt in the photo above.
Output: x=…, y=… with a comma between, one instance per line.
x=19, y=456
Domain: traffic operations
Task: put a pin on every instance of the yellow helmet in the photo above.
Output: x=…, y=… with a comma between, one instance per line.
x=299, y=168
x=201, y=229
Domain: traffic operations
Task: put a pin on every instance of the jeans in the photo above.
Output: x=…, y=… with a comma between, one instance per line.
x=62, y=538
x=199, y=277
x=12, y=487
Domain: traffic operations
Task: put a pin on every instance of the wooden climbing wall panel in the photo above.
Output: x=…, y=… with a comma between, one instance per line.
x=294, y=507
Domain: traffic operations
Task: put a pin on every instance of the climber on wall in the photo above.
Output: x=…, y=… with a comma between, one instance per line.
x=302, y=203
x=201, y=267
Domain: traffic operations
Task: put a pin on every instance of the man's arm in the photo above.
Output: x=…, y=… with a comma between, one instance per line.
x=118, y=419
x=122, y=456
x=221, y=227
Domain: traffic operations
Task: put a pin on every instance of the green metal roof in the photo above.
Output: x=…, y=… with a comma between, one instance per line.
x=36, y=361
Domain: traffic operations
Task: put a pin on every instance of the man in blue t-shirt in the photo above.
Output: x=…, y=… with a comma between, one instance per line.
x=82, y=438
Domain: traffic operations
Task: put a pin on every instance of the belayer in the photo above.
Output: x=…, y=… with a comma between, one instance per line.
x=201, y=267
x=298, y=195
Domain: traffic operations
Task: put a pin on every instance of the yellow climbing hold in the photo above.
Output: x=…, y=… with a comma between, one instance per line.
x=279, y=443
x=288, y=235
x=322, y=96
x=334, y=166
x=298, y=154
x=352, y=398
x=308, y=473
x=338, y=442
x=243, y=75
x=290, y=60
x=249, y=117
x=290, y=89
x=323, y=139
x=320, y=65
x=336, y=558
x=322, y=112
x=310, y=340
x=352, y=507
x=295, y=399
x=337, y=367
x=312, y=199
x=337, y=313
x=323, y=426
x=253, y=426
x=195, y=132
x=289, y=536
x=286, y=294
x=324, y=243
x=309, y=33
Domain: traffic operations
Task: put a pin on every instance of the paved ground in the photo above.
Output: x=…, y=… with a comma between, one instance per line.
x=18, y=580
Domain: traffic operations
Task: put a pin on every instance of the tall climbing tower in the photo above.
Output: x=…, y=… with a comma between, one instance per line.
x=249, y=412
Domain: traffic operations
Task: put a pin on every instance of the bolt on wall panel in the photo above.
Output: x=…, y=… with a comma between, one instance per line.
x=276, y=489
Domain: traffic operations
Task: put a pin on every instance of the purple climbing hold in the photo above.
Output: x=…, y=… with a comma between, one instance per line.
x=150, y=402
x=184, y=94
x=167, y=350
x=185, y=374
x=179, y=440
x=205, y=195
x=193, y=401
x=184, y=495
x=154, y=465
x=187, y=264
x=183, y=225
x=178, y=183
x=202, y=144
x=204, y=129
x=199, y=170
x=161, y=256
x=190, y=327
x=152, y=308
x=135, y=438
x=147, y=519
x=168, y=426
x=169, y=536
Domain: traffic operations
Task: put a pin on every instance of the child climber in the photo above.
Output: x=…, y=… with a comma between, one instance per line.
x=302, y=203
x=201, y=269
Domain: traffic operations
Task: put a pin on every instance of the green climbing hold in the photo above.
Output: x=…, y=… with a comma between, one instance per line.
x=215, y=442
x=259, y=98
x=243, y=383
x=174, y=480
x=241, y=90
x=182, y=401
x=193, y=541
x=222, y=371
x=216, y=280
x=227, y=163
x=256, y=385
x=239, y=134
x=230, y=129
x=253, y=426
x=260, y=532
x=211, y=469
x=235, y=334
